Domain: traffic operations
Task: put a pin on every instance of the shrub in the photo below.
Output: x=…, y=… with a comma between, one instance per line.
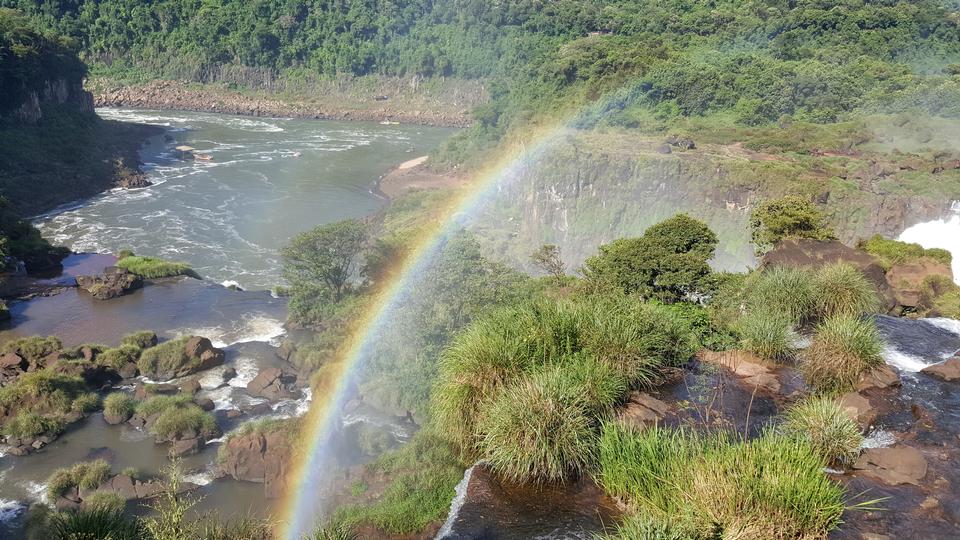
x=28, y=424
x=844, y=349
x=93, y=523
x=43, y=392
x=167, y=357
x=783, y=290
x=117, y=357
x=107, y=501
x=86, y=475
x=709, y=486
x=893, y=252
x=159, y=404
x=175, y=422
x=119, y=404
x=792, y=216
x=767, y=335
x=539, y=429
x=86, y=403
x=33, y=348
x=144, y=339
x=829, y=430
x=841, y=289
x=154, y=268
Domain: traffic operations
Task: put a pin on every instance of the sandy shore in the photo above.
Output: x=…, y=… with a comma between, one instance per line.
x=415, y=174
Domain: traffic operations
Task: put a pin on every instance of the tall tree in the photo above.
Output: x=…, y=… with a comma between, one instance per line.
x=327, y=255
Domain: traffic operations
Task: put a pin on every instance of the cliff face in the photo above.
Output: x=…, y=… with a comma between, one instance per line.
x=592, y=188
x=59, y=92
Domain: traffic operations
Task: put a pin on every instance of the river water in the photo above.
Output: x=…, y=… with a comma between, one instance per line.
x=268, y=180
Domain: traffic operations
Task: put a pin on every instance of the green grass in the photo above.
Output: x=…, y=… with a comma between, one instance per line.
x=46, y=394
x=167, y=357
x=893, y=252
x=844, y=349
x=33, y=348
x=715, y=486
x=107, y=501
x=841, y=289
x=97, y=522
x=829, y=430
x=154, y=268
x=117, y=357
x=142, y=339
x=767, y=335
x=159, y=404
x=423, y=474
x=28, y=424
x=119, y=404
x=86, y=475
x=784, y=291
x=86, y=403
x=539, y=429
x=178, y=416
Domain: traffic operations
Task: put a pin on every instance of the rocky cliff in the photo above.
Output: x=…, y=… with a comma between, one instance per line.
x=58, y=92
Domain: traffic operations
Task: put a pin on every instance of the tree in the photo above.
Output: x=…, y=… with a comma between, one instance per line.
x=547, y=258
x=792, y=216
x=669, y=261
x=326, y=255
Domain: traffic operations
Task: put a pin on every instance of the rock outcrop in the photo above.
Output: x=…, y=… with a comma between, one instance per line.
x=907, y=279
x=642, y=410
x=259, y=456
x=893, y=466
x=112, y=283
x=274, y=383
x=947, y=371
x=749, y=368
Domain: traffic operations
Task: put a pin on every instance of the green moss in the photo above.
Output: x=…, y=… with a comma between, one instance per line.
x=893, y=252
x=167, y=357
x=119, y=404
x=142, y=340
x=154, y=268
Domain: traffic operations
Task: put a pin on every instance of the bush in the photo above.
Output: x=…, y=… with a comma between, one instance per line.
x=119, y=404
x=176, y=422
x=167, y=357
x=789, y=217
x=844, y=349
x=86, y=403
x=153, y=268
x=33, y=348
x=708, y=486
x=784, y=291
x=940, y=296
x=86, y=475
x=822, y=422
x=27, y=424
x=144, y=339
x=101, y=523
x=159, y=404
x=539, y=429
x=766, y=334
x=117, y=357
x=841, y=289
x=106, y=501
x=893, y=252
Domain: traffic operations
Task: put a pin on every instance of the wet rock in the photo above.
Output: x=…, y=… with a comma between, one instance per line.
x=114, y=419
x=186, y=447
x=205, y=403
x=273, y=383
x=259, y=457
x=881, y=377
x=858, y=408
x=947, y=371
x=128, y=370
x=643, y=410
x=202, y=348
x=893, y=466
x=231, y=414
x=229, y=373
x=190, y=386
x=906, y=279
x=114, y=282
x=12, y=365
x=751, y=369
x=147, y=489
x=133, y=181
x=122, y=485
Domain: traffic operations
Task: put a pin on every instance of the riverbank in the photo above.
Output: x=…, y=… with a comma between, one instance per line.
x=441, y=103
x=415, y=174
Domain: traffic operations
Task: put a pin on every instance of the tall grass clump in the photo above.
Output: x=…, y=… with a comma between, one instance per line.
x=844, y=349
x=715, y=486
x=119, y=404
x=767, y=335
x=142, y=339
x=539, y=429
x=829, y=430
x=892, y=252
x=154, y=268
x=167, y=357
x=28, y=424
x=178, y=417
x=783, y=290
x=841, y=289
x=96, y=522
x=86, y=475
x=117, y=357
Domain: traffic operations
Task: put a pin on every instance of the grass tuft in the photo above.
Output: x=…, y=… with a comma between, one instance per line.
x=767, y=335
x=843, y=290
x=844, y=349
x=154, y=268
x=119, y=404
x=829, y=430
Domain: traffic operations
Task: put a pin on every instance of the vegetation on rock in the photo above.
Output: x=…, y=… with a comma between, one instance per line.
x=789, y=217
x=823, y=423
x=844, y=349
x=154, y=268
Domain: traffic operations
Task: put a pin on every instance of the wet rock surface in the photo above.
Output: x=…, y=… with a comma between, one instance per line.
x=262, y=457
x=112, y=283
x=947, y=371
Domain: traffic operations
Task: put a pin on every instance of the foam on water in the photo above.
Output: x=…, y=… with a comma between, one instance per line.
x=878, y=438
x=950, y=325
x=249, y=328
x=10, y=510
x=459, y=499
x=904, y=362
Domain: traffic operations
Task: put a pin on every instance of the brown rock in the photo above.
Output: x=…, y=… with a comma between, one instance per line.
x=259, y=457
x=229, y=373
x=112, y=283
x=881, y=377
x=190, y=386
x=273, y=383
x=947, y=371
x=122, y=485
x=115, y=419
x=643, y=410
x=231, y=414
x=897, y=465
x=196, y=345
x=128, y=370
x=205, y=403
x=13, y=361
x=751, y=369
x=907, y=279
x=186, y=447
x=858, y=408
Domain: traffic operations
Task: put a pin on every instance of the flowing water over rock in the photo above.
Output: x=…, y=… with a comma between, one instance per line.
x=268, y=179
x=941, y=233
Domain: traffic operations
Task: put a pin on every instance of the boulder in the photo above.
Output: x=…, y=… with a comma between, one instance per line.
x=128, y=370
x=186, y=447
x=947, y=371
x=258, y=457
x=881, y=377
x=807, y=253
x=642, y=410
x=906, y=279
x=858, y=408
x=273, y=383
x=190, y=386
x=751, y=369
x=200, y=348
x=113, y=282
x=229, y=373
x=205, y=403
x=115, y=419
x=893, y=466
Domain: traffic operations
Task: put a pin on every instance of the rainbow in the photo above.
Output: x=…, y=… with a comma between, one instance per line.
x=306, y=477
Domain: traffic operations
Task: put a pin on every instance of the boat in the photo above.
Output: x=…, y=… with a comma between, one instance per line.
x=203, y=157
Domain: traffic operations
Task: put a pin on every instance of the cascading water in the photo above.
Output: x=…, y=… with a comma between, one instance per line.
x=940, y=233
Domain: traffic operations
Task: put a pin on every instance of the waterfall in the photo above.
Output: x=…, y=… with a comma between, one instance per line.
x=940, y=233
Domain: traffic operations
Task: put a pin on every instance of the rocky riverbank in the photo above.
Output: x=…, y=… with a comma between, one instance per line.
x=380, y=103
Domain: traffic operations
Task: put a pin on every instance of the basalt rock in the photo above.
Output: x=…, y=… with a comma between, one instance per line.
x=202, y=348
x=906, y=279
x=258, y=457
x=274, y=383
x=858, y=408
x=947, y=371
x=896, y=465
x=881, y=377
x=190, y=386
x=114, y=282
x=749, y=368
x=643, y=410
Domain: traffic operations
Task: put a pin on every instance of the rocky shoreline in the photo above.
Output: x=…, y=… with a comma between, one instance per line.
x=178, y=95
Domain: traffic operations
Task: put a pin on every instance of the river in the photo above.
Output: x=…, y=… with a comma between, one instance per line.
x=268, y=180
